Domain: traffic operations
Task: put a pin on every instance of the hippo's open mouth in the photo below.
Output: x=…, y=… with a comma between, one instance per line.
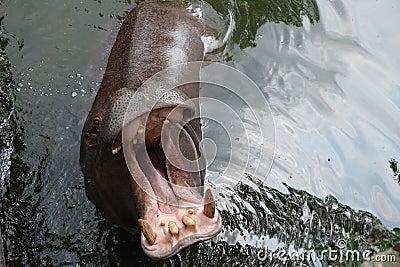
x=162, y=154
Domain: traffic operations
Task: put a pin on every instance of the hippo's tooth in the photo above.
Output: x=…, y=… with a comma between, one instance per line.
x=140, y=130
x=116, y=147
x=187, y=221
x=162, y=222
x=209, y=204
x=166, y=121
x=148, y=233
x=173, y=228
x=191, y=211
x=134, y=141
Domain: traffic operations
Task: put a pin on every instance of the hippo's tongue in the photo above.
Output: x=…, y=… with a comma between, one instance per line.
x=169, y=185
x=166, y=198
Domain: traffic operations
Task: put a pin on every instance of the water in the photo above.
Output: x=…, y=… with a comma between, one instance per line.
x=330, y=77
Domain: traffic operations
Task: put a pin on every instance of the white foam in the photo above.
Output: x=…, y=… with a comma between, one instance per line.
x=211, y=43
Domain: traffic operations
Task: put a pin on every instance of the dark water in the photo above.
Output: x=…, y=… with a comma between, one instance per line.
x=329, y=70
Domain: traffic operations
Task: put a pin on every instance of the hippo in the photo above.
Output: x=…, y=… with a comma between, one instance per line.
x=127, y=154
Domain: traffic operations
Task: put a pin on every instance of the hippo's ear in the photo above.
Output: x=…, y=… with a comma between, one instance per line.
x=92, y=134
x=90, y=140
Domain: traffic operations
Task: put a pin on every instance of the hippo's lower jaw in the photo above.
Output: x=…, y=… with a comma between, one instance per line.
x=163, y=159
x=165, y=234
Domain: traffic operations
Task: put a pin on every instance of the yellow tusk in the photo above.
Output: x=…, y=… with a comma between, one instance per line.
x=148, y=233
x=209, y=204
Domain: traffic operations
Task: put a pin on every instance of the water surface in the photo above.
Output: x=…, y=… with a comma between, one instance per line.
x=329, y=70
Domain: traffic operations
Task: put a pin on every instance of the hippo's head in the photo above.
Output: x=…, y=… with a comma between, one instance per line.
x=141, y=158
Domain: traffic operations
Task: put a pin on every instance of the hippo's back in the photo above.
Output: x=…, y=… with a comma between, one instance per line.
x=153, y=37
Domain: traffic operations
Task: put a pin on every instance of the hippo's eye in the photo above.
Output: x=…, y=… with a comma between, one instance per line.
x=95, y=125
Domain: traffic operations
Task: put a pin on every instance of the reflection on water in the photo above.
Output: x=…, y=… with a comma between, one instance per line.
x=251, y=15
x=338, y=104
x=330, y=72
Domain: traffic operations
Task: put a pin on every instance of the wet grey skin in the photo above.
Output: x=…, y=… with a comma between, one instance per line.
x=154, y=36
